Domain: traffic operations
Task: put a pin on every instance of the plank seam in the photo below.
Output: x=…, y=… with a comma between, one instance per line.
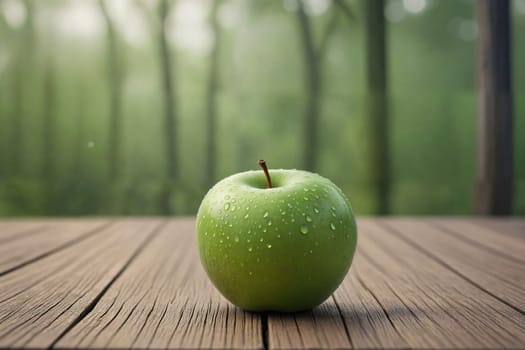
x=347, y=332
x=264, y=330
x=453, y=233
x=369, y=290
x=393, y=230
x=86, y=235
x=95, y=301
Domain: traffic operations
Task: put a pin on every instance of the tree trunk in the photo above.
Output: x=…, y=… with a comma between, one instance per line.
x=80, y=135
x=493, y=195
x=17, y=116
x=170, y=114
x=313, y=91
x=377, y=121
x=23, y=67
x=211, y=99
x=49, y=121
x=115, y=76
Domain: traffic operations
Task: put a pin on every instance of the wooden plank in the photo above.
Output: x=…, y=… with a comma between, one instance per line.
x=10, y=231
x=368, y=323
x=53, y=237
x=164, y=300
x=320, y=328
x=515, y=227
x=485, y=237
x=39, y=302
x=494, y=273
x=426, y=304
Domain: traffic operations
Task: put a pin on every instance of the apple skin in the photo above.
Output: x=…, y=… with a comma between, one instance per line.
x=285, y=248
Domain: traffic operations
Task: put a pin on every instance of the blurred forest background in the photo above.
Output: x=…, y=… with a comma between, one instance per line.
x=138, y=107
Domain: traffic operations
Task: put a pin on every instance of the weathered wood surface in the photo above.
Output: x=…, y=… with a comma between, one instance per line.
x=137, y=283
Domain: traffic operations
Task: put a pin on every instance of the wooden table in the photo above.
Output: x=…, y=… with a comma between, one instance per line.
x=137, y=283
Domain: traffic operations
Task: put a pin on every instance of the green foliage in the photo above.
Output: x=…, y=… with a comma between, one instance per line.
x=261, y=99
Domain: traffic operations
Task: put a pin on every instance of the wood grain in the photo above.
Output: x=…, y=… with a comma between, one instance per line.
x=40, y=301
x=10, y=231
x=485, y=237
x=513, y=226
x=426, y=304
x=320, y=328
x=492, y=272
x=46, y=240
x=164, y=300
x=138, y=283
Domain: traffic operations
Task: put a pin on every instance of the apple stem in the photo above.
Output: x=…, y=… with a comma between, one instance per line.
x=262, y=163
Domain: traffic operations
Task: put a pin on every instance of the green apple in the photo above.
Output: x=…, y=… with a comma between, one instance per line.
x=284, y=248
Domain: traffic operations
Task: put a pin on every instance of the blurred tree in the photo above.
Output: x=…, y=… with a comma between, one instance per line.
x=170, y=107
x=313, y=59
x=494, y=178
x=211, y=96
x=377, y=121
x=80, y=135
x=5, y=46
x=22, y=48
x=115, y=80
x=49, y=137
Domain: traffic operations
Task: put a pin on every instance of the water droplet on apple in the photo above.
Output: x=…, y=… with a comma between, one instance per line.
x=316, y=210
x=233, y=208
x=305, y=189
x=261, y=240
x=268, y=246
x=246, y=216
x=250, y=273
x=289, y=205
x=333, y=214
x=236, y=239
x=308, y=219
x=250, y=249
x=265, y=214
x=270, y=223
x=264, y=230
x=227, y=206
x=333, y=208
x=304, y=229
x=205, y=233
x=278, y=236
x=306, y=198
